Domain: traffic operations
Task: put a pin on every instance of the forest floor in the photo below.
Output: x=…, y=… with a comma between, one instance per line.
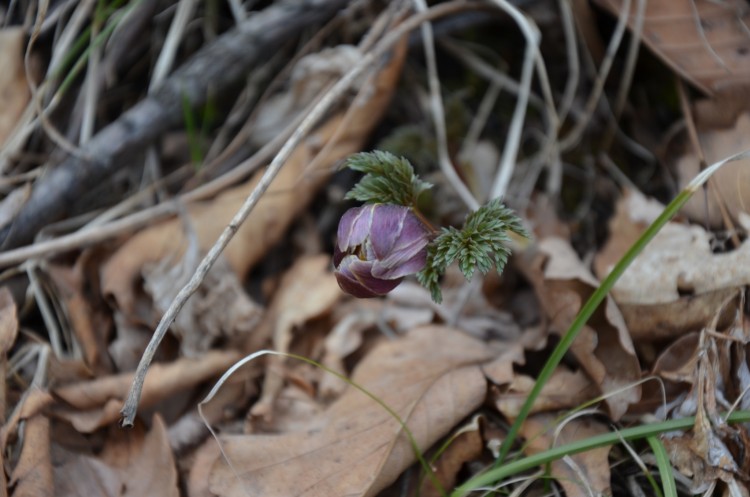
x=172, y=175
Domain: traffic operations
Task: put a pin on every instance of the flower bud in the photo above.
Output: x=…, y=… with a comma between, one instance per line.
x=378, y=244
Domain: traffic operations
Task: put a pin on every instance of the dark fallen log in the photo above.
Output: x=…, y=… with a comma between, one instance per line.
x=215, y=67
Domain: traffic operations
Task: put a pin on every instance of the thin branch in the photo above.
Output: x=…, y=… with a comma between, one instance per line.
x=572, y=138
x=185, y=9
x=513, y=140
x=627, y=77
x=574, y=63
x=438, y=115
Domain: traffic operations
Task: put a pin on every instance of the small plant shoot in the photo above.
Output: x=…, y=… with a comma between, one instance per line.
x=388, y=238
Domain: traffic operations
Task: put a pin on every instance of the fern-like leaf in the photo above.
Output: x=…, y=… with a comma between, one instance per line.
x=388, y=179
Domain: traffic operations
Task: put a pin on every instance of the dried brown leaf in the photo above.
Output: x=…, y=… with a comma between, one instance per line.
x=603, y=348
x=730, y=184
x=581, y=475
x=220, y=308
x=564, y=390
x=712, y=450
x=200, y=470
x=678, y=361
x=465, y=445
x=97, y=403
x=430, y=377
x=8, y=334
x=308, y=290
x=14, y=90
x=345, y=338
x=8, y=322
x=704, y=41
x=132, y=464
x=500, y=371
x=88, y=318
x=677, y=284
x=311, y=75
x=32, y=476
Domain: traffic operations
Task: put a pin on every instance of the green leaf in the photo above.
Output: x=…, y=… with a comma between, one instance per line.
x=493, y=476
x=481, y=244
x=388, y=179
x=429, y=277
x=665, y=467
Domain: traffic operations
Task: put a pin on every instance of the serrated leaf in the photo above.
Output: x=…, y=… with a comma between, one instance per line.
x=388, y=179
x=429, y=276
x=480, y=245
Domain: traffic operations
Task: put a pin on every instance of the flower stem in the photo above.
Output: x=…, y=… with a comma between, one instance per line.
x=424, y=220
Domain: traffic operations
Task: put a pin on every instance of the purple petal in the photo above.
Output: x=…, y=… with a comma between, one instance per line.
x=405, y=249
x=354, y=277
x=411, y=266
x=387, y=223
x=354, y=227
x=338, y=255
x=409, y=253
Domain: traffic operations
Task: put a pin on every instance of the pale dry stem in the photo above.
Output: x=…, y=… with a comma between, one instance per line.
x=438, y=115
x=628, y=72
x=164, y=63
x=574, y=136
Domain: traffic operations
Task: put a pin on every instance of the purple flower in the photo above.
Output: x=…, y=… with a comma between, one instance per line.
x=377, y=246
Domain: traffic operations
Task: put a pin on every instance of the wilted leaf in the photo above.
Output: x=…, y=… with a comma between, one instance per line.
x=14, y=90
x=603, y=348
x=500, y=371
x=430, y=377
x=703, y=41
x=464, y=446
x=32, y=476
x=564, y=390
x=8, y=334
x=345, y=338
x=730, y=185
x=678, y=361
x=220, y=308
x=580, y=475
x=712, y=450
x=677, y=284
x=8, y=322
x=132, y=464
x=311, y=75
x=200, y=469
x=308, y=290
x=98, y=402
x=88, y=319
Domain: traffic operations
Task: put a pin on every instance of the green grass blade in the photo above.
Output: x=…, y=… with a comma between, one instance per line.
x=583, y=316
x=99, y=40
x=196, y=154
x=598, y=296
x=635, y=433
x=669, y=487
